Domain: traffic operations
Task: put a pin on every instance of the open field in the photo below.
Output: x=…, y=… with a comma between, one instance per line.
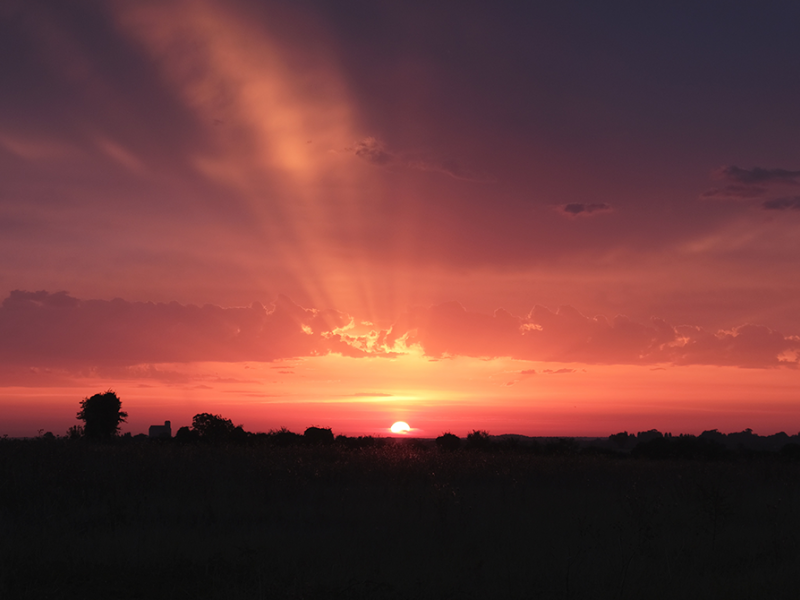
x=142, y=519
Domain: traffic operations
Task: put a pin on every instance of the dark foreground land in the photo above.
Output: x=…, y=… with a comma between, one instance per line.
x=163, y=520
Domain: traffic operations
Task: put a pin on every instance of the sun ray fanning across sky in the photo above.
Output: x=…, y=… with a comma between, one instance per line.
x=541, y=220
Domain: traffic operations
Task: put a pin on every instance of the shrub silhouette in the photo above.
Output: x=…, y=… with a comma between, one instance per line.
x=318, y=436
x=478, y=440
x=448, y=442
x=75, y=432
x=283, y=437
x=102, y=415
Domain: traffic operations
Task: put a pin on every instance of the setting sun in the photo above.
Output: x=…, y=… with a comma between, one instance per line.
x=400, y=427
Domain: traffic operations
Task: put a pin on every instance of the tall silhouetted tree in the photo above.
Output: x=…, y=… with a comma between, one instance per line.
x=102, y=415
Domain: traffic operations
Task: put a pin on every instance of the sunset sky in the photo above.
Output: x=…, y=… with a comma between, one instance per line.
x=560, y=218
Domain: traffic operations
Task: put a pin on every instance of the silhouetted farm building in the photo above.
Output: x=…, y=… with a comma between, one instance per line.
x=161, y=431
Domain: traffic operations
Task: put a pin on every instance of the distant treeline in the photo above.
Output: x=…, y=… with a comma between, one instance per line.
x=710, y=445
x=102, y=415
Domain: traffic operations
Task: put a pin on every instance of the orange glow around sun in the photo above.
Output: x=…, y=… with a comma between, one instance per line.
x=358, y=396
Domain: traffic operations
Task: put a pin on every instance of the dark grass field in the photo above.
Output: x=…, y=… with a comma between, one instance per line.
x=143, y=519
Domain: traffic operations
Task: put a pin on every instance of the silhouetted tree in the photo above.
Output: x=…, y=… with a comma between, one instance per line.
x=238, y=435
x=318, y=435
x=620, y=440
x=186, y=435
x=448, y=442
x=713, y=434
x=478, y=440
x=650, y=434
x=778, y=440
x=212, y=428
x=102, y=415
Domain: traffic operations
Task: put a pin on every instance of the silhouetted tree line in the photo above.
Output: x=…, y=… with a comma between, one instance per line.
x=710, y=444
x=481, y=441
x=102, y=415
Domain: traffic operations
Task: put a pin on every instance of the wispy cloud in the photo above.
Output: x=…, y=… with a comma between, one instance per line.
x=749, y=183
x=792, y=203
x=376, y=153
x=372, y=151
x=575, y=209
x=735, y=191
x=567, y=336
x=759, y=175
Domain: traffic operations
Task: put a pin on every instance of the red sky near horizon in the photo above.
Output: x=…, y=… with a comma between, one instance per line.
x=570, y=219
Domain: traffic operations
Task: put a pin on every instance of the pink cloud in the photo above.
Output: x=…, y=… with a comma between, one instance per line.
x=566, y=335
x=41, y=329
